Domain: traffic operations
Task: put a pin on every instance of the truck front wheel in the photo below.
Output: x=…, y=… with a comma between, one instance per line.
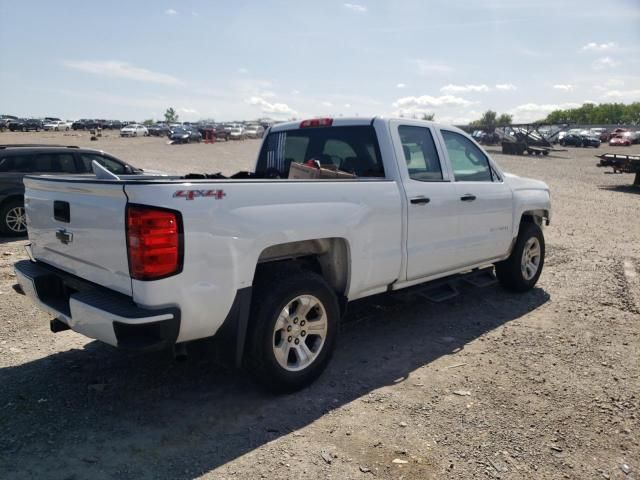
x=292, y=330
x=521, y=270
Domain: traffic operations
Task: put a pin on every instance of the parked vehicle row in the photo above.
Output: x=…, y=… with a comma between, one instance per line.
x=576, y=140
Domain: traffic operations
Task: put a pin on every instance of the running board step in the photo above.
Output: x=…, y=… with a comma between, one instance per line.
x=482, y=279
x=439, y=293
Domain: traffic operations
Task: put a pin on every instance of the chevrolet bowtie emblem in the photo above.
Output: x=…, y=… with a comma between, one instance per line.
x=64, y=236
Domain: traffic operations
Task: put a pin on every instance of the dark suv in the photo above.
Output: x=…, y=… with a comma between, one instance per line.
x=16, y=161
x=25, y=125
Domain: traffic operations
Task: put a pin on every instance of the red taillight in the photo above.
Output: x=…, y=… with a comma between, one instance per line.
x=316, y=122
x=154, y=242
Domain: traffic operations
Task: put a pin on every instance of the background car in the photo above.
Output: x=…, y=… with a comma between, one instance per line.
x=113, y=125
x=134, y=130
x=159, y=130
x=576, y=140
x=84, y=124
x=254, y=131
x=26, y=125
x=18, y=161
x=57, y=126
x=619, y=141
x=210, y=131
x=185, y=135
x=237, y=133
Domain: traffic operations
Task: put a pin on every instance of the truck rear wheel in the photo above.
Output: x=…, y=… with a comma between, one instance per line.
x=292, y=330
x=521, y=270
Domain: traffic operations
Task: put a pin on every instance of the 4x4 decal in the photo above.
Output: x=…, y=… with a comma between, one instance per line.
x=192, y=194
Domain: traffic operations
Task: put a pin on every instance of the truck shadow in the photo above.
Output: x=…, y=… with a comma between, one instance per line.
x=633, y=189
x=99, y=413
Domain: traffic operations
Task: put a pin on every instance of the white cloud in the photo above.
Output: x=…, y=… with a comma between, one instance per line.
x=170, y=11
x=530, y=112
x=506, y=86
x=565, y=87
x=595, y=47
x=425, y=67
x=410, y=106
x=271, y=108
x=295, y=92
x=355, y=7
x=243, y=70
x=464, y=88
x=347, y=105
x=605, y=62
x=327, y=104
x=195, y=14
x=625, y=95
x=125, y=70
x=428, y=101
x=401, y=85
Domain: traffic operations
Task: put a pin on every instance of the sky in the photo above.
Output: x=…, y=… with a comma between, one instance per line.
x=241, y=60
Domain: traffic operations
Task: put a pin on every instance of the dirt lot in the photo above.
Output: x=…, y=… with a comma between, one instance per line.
x=488, y=385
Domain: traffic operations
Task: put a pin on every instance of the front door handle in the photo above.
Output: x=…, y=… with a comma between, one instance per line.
x=467, y=197
x=420, y=200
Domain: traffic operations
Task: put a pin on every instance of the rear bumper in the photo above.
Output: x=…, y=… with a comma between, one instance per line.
x=97, y=312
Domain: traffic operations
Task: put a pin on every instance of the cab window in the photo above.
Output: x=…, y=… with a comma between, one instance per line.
x=468, y=162
x=420, y=153
x=352, y=149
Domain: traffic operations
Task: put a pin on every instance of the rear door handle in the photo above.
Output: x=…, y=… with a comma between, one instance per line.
x=420, y=200
x=468, y=197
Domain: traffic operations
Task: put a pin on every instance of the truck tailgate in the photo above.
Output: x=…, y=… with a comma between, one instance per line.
x=78, y=226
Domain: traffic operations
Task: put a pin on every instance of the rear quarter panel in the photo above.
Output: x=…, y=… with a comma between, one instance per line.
x=224, y=238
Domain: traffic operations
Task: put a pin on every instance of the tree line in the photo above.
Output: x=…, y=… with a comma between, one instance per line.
x=605, y=113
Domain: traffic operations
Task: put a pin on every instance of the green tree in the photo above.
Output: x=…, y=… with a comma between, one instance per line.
x=429, y=116
x=170, y=115
x=148, y=122
x=504, y=119
x=487, y=121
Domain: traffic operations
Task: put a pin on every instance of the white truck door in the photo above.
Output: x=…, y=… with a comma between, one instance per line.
x=432, y=201
x=485, y=201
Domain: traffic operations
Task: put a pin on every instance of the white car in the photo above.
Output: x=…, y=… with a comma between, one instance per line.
x=57, y=125
x=237, y=133
x=254, y=131
x=268, y=262
x=134, y=130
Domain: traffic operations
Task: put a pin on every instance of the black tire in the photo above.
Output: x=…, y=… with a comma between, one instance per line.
x=509, y=271
x=6, y=226
x=275, y=289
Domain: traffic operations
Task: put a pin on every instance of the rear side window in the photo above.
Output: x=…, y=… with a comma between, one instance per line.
x=111, y=165
x=469, y=163
x=17, y=164
x=352, y=149
x=39, y=163
x=420, y=153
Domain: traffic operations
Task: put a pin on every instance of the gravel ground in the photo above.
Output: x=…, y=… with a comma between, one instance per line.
x=542, y=385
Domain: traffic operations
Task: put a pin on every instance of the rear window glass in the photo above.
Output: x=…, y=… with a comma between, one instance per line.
x=352, y=149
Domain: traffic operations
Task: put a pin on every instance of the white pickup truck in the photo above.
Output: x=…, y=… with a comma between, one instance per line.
x=270, y=262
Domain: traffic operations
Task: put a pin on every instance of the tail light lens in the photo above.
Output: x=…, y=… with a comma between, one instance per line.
x=154, y=242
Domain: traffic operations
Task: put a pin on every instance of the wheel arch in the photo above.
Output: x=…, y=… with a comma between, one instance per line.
x=329, y=257
x=11, y=197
